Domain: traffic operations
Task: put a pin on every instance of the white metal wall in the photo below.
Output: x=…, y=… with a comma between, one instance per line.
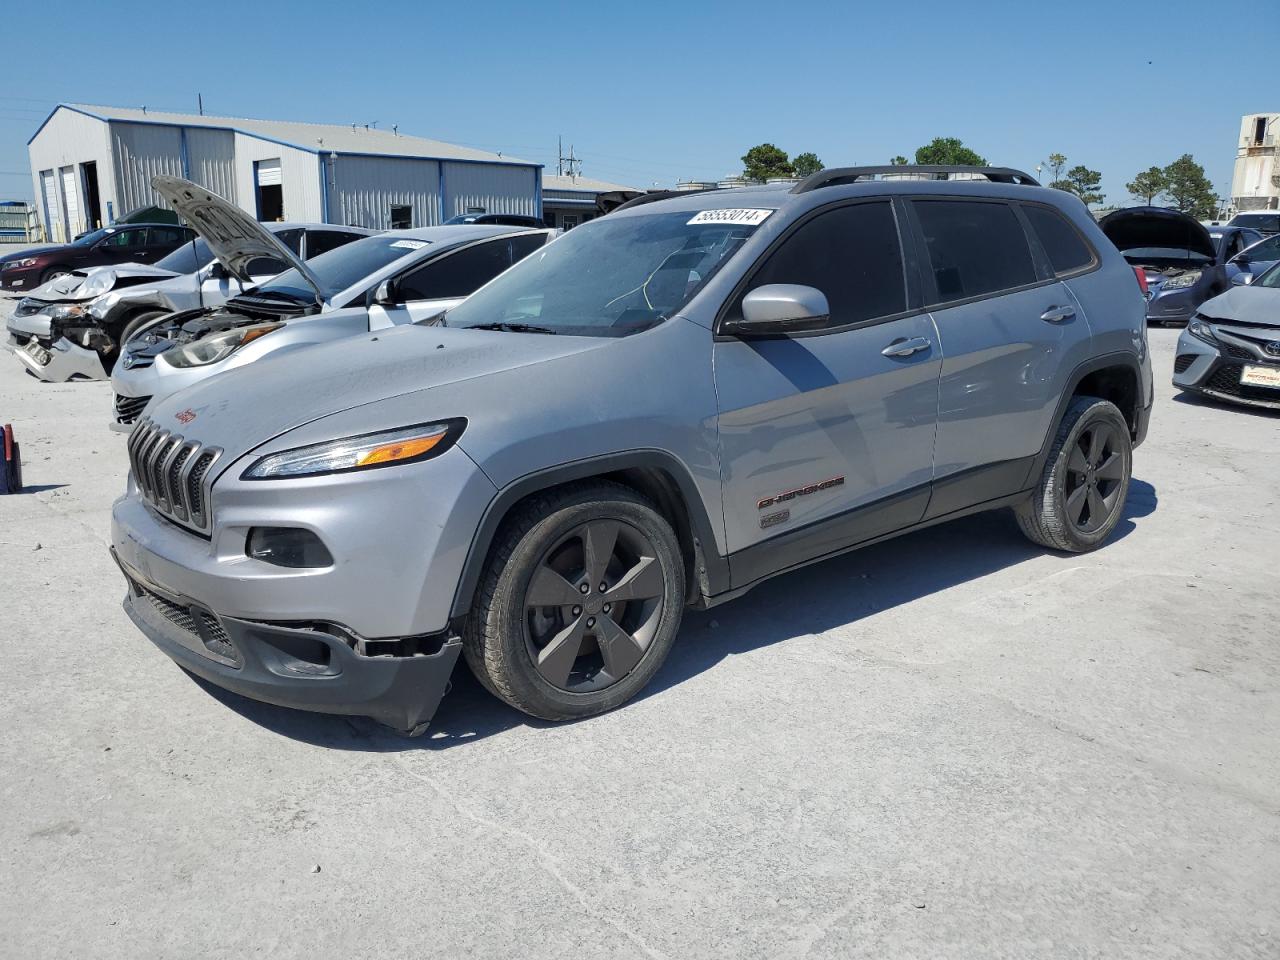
x=299, y=175
x=211, y=160
x=70, y=138
x=362, y=190
x=142, y=151
x=495, y=187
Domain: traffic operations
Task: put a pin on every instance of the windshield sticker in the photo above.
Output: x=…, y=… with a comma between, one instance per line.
x=408, y=245
x=750, y=218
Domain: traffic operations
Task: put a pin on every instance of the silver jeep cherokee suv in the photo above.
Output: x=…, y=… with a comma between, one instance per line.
x=659, y=410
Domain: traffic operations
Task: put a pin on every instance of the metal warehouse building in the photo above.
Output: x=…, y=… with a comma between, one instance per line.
x=569, y=201
x=93, y=164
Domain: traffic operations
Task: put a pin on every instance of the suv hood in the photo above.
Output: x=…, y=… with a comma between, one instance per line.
x=234, y=237
x=248, y=406
x=1138, y=227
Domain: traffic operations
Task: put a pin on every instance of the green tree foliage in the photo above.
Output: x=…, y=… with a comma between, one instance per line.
x=806, y=164
x=765, y=161
x=899, y=161
x=1147, y=185
x=949, y=151
x=1083, y=182
x=1189, y=189
x=1056, y=163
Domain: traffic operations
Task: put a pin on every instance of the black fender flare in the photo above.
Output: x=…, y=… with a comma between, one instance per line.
x=713, y=570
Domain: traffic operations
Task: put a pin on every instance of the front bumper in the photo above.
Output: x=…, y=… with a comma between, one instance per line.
x=1214, y=371
x=1171, y=306
x=20, y=279
x=60, y=362
x=298, y=666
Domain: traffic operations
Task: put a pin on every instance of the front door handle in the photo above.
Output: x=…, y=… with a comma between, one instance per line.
x=902, y=347
x=1058, y=314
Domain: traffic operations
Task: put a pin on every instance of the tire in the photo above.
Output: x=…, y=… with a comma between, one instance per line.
x=136, y=323
x=1064, y=513
x=605, y=650
x=52, y=275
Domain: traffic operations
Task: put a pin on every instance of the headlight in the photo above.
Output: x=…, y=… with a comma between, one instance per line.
x=385, y=449
x=216, y=346
x=1182, y=280
x=65, y=311
x=28, y=262
x=99, y=283
x=1201, y=330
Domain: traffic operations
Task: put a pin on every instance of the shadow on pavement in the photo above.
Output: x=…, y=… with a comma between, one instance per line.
x=1213, y=403
x=833, y=593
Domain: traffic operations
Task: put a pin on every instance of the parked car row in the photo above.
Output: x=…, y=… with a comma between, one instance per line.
x=133, y=243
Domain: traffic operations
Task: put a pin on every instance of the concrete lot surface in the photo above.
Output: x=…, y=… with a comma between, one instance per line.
x=951, y=745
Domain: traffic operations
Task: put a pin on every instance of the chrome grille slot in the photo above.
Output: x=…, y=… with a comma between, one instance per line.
x=173, y=474
x=129, y=408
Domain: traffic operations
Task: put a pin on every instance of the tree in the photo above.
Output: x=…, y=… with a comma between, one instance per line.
x=806, y=164
x=765, y=161
x=1148, y=184
x=1189, y=189
x=1083, y=182
x=899, y=161
x=1056, y=162
x=949, y=151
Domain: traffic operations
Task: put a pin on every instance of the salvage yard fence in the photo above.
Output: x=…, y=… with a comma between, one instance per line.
x=19, y=223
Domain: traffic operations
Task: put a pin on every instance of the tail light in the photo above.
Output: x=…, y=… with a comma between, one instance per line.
x=1142, y=280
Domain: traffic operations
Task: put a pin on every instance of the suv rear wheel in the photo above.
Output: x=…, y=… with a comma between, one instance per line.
x=1082, y=490
x=580, y=603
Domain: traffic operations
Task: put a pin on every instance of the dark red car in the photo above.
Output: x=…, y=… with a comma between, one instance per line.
x=126, y=243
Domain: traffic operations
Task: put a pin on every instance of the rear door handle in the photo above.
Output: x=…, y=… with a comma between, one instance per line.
x=1058, y=314
x=902, y=347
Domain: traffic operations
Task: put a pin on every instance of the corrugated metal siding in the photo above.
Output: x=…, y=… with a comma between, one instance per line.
x=70, y=138
x=299, y=175
x=550, y=195
x=141, y=152
x=497, y=188
x=363, y=190
x=211, y=160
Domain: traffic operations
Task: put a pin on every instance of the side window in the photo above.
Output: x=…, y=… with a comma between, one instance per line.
x=521, y=247
x=458, y=274
x=1063, y=244
x=852, y=254
x=974, y=248
x=165, y=236
x=266, y=267
x=322, y=241
x=291, y=239
x=124, y=238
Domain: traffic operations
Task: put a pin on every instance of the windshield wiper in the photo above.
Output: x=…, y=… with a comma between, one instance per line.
x=512, y=327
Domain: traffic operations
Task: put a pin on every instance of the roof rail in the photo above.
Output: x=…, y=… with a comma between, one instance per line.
x=840, y=175
x=657, y=195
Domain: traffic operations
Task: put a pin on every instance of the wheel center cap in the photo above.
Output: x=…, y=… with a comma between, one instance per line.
x=593, y=604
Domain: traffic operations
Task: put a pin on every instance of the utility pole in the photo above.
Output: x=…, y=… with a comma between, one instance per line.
x=200, y=104
x=575, y=165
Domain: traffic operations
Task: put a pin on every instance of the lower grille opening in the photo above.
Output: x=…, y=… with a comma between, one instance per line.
x=128, y=409
x=1226, y=379
x=197, y=624
x=1181, y=363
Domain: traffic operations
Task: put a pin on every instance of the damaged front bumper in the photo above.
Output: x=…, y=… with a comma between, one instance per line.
x=312, y=667
x=60, y=361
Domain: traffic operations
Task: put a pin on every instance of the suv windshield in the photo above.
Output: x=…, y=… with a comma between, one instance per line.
x=188, y=258
x=1269, y=279
x=343, y=266
x=607, y=278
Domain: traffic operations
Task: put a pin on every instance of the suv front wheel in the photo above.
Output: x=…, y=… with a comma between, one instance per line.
x=580, y=602
x=1081, y=493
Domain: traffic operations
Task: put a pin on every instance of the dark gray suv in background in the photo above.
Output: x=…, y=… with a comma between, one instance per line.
x=659, y=409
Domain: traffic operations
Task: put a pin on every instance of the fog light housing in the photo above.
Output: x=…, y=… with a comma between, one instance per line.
x=287, y=547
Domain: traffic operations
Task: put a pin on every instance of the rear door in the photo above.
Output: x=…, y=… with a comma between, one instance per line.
x=445, y=281
x=1006, y=324
x=814, y=427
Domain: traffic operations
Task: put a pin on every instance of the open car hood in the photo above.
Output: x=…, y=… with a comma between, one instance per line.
x=1135, y=228
x=234, y=237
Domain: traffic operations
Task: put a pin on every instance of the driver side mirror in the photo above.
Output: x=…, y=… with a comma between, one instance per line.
x=384, y=295
x=217, y=271
x=1242, y=279
x=778, y=309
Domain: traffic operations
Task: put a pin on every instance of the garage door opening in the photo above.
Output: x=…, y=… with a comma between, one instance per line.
x=270, y=191
x=92, y=202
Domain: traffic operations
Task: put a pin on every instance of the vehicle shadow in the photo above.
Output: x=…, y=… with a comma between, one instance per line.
x=1211, y=403
x=37, y=488
x=833, y=593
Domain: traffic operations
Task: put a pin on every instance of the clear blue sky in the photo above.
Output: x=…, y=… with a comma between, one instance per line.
x=655, y=92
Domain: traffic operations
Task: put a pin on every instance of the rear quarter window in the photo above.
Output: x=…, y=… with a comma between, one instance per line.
x=975, y=248
x=1065, y=248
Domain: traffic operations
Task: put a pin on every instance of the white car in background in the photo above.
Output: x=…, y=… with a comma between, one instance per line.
x=396, y=277
x=71, y=328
